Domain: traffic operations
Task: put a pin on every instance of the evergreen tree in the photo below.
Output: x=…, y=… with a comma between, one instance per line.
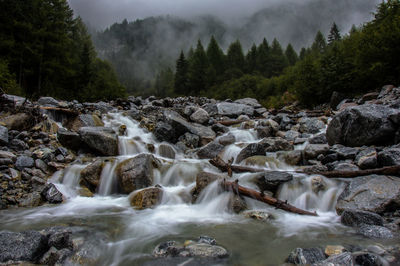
x=278, y=59
x=334, y=34
x=198, y=65
x=291, y=55
x=319, y=44
x=235, y=57
x=215, y=56
x=181, y=75
x=263, y=59
x=251, y=60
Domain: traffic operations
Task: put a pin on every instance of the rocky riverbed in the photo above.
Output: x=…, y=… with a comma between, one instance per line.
x=130, y=182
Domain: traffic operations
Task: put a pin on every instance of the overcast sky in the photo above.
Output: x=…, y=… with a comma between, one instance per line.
x=102, y=13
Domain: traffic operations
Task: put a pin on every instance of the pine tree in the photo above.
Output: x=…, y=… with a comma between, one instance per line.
x=334, y=34
x=291, y=55
x=215, y=56
x=263, y=59
x=319, y=44
x=251, y=60
x=198, y=65
x=278, y=59
x=181, y=75
x=235, y=56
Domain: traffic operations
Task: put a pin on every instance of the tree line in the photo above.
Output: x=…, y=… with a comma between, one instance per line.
x=44, y=50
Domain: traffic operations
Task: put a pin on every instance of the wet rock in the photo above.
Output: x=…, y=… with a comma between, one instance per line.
x=389, y=156
x=200, y=116
x=317, y=184
x=237, y=204
x=367, y=158
x=102, y=140
x=276, y=144
x=69, y=139
x=60, y=238
x=362, y=125
x=218, y=128
x=206, y=240
x=40, y=164
x=48, y=101
x=19, y=121
x=367, y=259
x=344, y=259
x=250, y=102
x=166, y=151
x=301, y=256
x=190, y=140
x=292, y=135
x=294, y=157
x=345, y=166
x=310, y=125
x=91, y=174
x=375, y=231
x=54, y=256
x=357, y=218
x=24, y=162
x=334, y=250
x=311, y=151
x=271, y=180
x=210, y=151
x=51, y=194
x=24, y=246
x=234, y=109
x=319, y=139
x=7, y=155
x=146, y=198
x=137, y=172
x=134, y=114
x=3, y=136
x=203, y=179
x=259, y=216
x=33, y=199
x=165, y=132
x=227, y=139
x=251, y=149
x=374, y=193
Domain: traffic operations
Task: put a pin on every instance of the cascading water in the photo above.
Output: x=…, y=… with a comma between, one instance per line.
x=133, y=234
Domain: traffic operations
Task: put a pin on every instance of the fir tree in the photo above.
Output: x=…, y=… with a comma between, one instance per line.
x=251, y=60
x=263, y=59
x=334, y=34
x=198, y=65
x=215, y=56
x=319, y=44
x=277, y=58
x=291, y=55
x=181, y=75
x=235, y=56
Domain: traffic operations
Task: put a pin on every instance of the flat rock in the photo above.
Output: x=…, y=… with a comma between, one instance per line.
x=146, y=198
x=251, y=149
x=102, y=140
x=375, y=231
x=24, y=162
x=234, y=109
x=271, y=180
x=210, y=151
x=301, y=256
x=3, y=136
x=357, y=218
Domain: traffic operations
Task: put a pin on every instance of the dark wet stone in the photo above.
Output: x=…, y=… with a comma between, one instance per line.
x=250, y=150
x=3, y=135
x=69, y=139
x=375, y=231
x=51, y=194
x=358, y=218
x=24, y=162
x=301, y=256
x=102, y=140
x=271, y=180
x=343, y=259
x=389, y=156
x=210, y=151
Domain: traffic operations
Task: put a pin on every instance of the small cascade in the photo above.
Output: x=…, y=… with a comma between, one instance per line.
x=108, y=182
x=67, y=180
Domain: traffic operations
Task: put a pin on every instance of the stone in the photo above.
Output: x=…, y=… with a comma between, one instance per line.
x=33, y=199
x=137, y=172
x=318, y=184
x=7, y=155
x=206, y=250
x=91, y=174
x=165, y=132
x=336, y=98
x=291, y=135
x=334, y=250
x=200, y=116
x=210, y=151
x=357, y=218
x=374, y=193
x=264, y=132
x=190, y=140
x=367, y=159
x=301, y=256
x=294, y=157
x=3, y=136
x=54, y=256
x=69, y=139
x=40, y=164
x=375, y=231
x=276, y=144
x=367, y=124
x=250, y=102
x=389, y=156
x=207, y=240
x=237, y=204
x=345, y=166
x=258, y=215
x=51, y=194
x=234, y=109
x=203, y=179
x=345, y=152
x=312, y=151
x=101, y=140
x=190, y=249
x=134, y=114
x=48, y=101
x=25, y=246
x=342, y=259
x=19, y=121
x=367, y=259
x=24, y=162
x=210, y=108
x=218, y=128
x=227, y=139
x=310, y=125
x=319, y=139
x=61, y=239
x=146, y=198
x=165, y=150
x=251, y=149
x=271, y=180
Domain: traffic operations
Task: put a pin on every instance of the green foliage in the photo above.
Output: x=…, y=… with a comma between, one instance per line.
x=334, y=34
x=181, y=75
x=319, y=44
x=7, y=80
x=49, y=52
x=198, y=64
x=291, y=55
x=235, y=57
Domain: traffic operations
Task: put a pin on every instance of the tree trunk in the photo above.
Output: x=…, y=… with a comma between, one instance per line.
x=388, y=170
x=279, y=204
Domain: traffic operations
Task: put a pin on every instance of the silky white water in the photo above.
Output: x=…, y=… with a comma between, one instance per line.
x=132, y=234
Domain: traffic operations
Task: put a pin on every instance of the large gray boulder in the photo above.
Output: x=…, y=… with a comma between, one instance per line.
x=91, y=174
x=69, y=139
x=250, y=102
x=3, y=135
x=102, y=140
x=306, y=256
x=389, y=156
x=200, y=116
x=374, y=193
x=368, y=124
x=137, y=172
x=24, y=246
x=24, y=162
x=251, y=149
x=48, y=101
x=234, y=109
x=210, y=151
x=357, y=218
x=271, y=180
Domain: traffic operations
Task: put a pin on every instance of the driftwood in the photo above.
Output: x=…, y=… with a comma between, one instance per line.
x=229, y=122
x=260, y=196
x=229, y=167
x=388, y=170
x=62, y=110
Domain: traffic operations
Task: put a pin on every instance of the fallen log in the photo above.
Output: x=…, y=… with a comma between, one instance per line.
x=388, y=170
x=229, y=167
x=260, y=196
x=63, y=110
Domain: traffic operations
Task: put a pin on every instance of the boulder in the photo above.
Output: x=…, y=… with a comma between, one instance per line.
x=24, y=246
x=310, y=125
x=251, y=149
x=374, y=193
x=227, y=139
x=191, y=141
x=250, y=102
x=48, y=101
x=51, y=194
x=3, y=136
x=146, y=198
x=102, y=140
x=203, y=179
x=137, y=172
x=301, y=256
x=19, y=121
x=264, y=132
x=271, y=180
x=367, y=159
x=345, y=152
x=166, y=151
x=210, y=151
x=362, y=125
x=318, y=184
x=24, y=162
x=84, y=120
x=319, y=139
x=200, y=116
x=291, y=135
x=259, y=216
x=234, y=109
x=374, y=231
x=91, y=174
x=276, y=144
x=344, y=258
x=369, y=259
x=69, y=139
x=237, y=204
x=357, y=218
x=30, y=200
x=294, y=157
x=389, y=156
x=164, y=131
x=311, y=151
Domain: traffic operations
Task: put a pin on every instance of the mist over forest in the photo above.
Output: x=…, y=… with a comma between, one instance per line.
x=148, y=37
